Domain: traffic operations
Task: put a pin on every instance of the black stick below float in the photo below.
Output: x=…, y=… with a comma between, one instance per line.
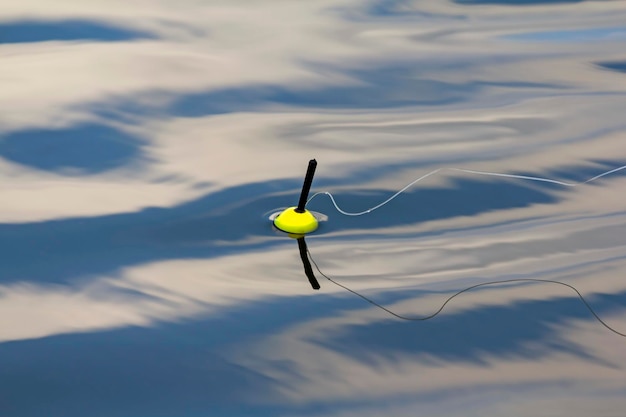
x=308, y=270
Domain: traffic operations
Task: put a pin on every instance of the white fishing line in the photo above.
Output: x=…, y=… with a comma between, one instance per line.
x=468, y=171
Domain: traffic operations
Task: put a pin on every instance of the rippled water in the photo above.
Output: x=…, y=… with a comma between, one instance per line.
x=144, y=144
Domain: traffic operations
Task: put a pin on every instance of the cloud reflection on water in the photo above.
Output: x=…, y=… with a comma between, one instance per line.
x=161, y=285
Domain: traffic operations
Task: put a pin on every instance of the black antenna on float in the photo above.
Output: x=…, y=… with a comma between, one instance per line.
x=306, y=187
x=298, y=220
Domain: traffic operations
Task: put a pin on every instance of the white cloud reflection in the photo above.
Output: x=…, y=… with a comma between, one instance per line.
x=221, y=99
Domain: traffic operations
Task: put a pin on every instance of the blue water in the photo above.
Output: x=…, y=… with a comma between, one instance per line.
x=573, y=36
x=82, y=149
x=27, y=31
x=140, y=275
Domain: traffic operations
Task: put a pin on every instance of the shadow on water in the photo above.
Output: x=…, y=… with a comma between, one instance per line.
x=77, y=150
x=619, y=66
x=61, y=250
x=66, y=30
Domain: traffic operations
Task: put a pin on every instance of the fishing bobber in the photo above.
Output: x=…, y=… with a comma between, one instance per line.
x=298, y=220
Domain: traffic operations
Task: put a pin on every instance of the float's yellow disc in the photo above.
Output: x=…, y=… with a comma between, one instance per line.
x=291, y=221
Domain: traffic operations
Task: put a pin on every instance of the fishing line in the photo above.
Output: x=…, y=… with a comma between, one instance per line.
x=436, y=313
x=468, y=171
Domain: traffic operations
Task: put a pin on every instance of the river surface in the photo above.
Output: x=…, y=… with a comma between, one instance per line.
x=144, y=145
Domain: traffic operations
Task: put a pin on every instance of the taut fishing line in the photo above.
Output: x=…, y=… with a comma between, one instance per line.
x=468, y=171
x=436, y=313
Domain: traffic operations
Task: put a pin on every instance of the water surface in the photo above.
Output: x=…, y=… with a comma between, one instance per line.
x=143, y=147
